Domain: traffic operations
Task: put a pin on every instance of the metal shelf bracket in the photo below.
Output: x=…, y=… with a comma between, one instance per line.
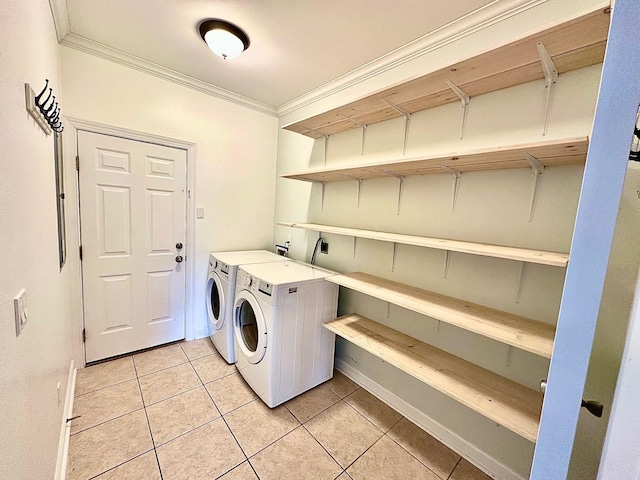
x=464, y=99
x=355, y=244
x=393, y=259
x=407, y=120
x=536, y=170
x=360, y=181
x=326, y=141
x=447, y=260
x=363, y=127
x=401, y=186
x=550, y=81
x=324, y=186
x=456, y=183
x=523, y=269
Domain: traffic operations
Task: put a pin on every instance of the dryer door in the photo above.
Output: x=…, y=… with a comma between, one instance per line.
x=249, y=327
x=215, y=301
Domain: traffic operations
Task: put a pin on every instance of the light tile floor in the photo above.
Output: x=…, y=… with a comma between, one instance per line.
x=179, y=412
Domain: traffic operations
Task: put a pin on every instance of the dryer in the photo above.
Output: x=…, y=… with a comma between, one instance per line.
x=282, y=349
x=221, y=285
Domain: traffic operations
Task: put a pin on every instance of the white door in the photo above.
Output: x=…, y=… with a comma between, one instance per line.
x=132, y=213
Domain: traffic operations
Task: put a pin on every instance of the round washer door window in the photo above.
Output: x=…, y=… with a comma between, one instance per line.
x=249, y=327
x=215, y=301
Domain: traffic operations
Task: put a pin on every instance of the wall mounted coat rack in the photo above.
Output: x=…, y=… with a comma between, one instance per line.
x=44, y=108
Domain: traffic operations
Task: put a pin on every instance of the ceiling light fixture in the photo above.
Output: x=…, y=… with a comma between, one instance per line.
x=223, y=38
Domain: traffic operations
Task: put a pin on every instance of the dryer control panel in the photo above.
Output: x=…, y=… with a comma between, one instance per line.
x=266, y=288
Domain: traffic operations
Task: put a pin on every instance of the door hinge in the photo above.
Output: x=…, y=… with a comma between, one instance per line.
x=80, y=252
x=77, y=163
x=84, y=335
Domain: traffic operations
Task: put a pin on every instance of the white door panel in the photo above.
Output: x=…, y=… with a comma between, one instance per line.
x=133, y=210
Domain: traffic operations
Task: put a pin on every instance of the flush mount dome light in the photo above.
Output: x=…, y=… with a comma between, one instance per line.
x=223, y=38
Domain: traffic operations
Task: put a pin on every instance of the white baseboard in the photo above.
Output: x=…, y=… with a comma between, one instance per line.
x=456, y=443
x=65, y=429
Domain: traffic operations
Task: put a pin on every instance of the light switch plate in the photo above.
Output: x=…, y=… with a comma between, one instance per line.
x=20, y=310
x=200, y=212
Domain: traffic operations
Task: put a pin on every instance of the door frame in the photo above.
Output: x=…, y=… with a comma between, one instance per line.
x=190, y=149
x=605, y=170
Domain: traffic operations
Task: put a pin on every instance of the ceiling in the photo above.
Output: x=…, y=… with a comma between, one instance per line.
x=296, y=45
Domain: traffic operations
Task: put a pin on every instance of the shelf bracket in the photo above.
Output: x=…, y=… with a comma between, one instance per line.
x=393, y=258
x=464, y=99
x=355, y=244
x=388, y=310
x=326, y=141
x=324, y=186
x=400, y=187
x=447, y=259
x=360, y=181
x=509, y=353
x=363, y=127
x=407, y=120
x=456, y=183
x=550, y=81
x=536, y=170
x=523, y=269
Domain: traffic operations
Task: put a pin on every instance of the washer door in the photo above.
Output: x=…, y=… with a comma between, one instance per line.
x=249, y=327
x=215, y=301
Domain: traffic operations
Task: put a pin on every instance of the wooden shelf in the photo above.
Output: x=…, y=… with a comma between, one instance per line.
x=571, y=151
x=574, y=44
x=506, y=402
x=520, y=332
x=512, y=253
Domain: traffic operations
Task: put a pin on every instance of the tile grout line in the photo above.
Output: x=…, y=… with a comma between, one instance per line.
x=421, y=462
x=454, y=469
x=230, y=431
x=344, y=469
x=146, y=414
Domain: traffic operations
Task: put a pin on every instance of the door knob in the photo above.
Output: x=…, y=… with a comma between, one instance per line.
x=179, y=246
x=179, y=259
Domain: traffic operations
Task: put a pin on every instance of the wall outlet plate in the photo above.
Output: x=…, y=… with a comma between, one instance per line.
x=20, y=310
x=324, y=247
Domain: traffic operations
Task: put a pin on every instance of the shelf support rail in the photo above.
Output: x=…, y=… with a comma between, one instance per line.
x=326, y=141
x=464, y=99
x=456, y=183
x=360, y=181
x=401, y=186
x=536, y=170
x=407, y=120
x=363, y=127
x=550, y=81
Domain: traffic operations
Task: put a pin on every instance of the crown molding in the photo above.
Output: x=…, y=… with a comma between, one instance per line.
x=92, y=47
x=60, y=15
x=473, y=22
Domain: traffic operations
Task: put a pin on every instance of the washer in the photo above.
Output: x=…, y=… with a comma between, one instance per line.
x=221, y=285
x=282, y=348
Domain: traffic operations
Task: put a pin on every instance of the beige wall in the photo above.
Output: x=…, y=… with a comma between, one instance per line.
x=492, y=207
x=32, y=364
x=235, y=151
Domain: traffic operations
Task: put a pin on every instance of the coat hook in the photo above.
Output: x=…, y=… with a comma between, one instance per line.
x=52, y=113
x=46, y=84
x=41, y=105
x=48, y=109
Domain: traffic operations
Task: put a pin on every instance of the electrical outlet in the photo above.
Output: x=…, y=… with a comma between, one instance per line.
x=324, y=247
x=20, y=310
